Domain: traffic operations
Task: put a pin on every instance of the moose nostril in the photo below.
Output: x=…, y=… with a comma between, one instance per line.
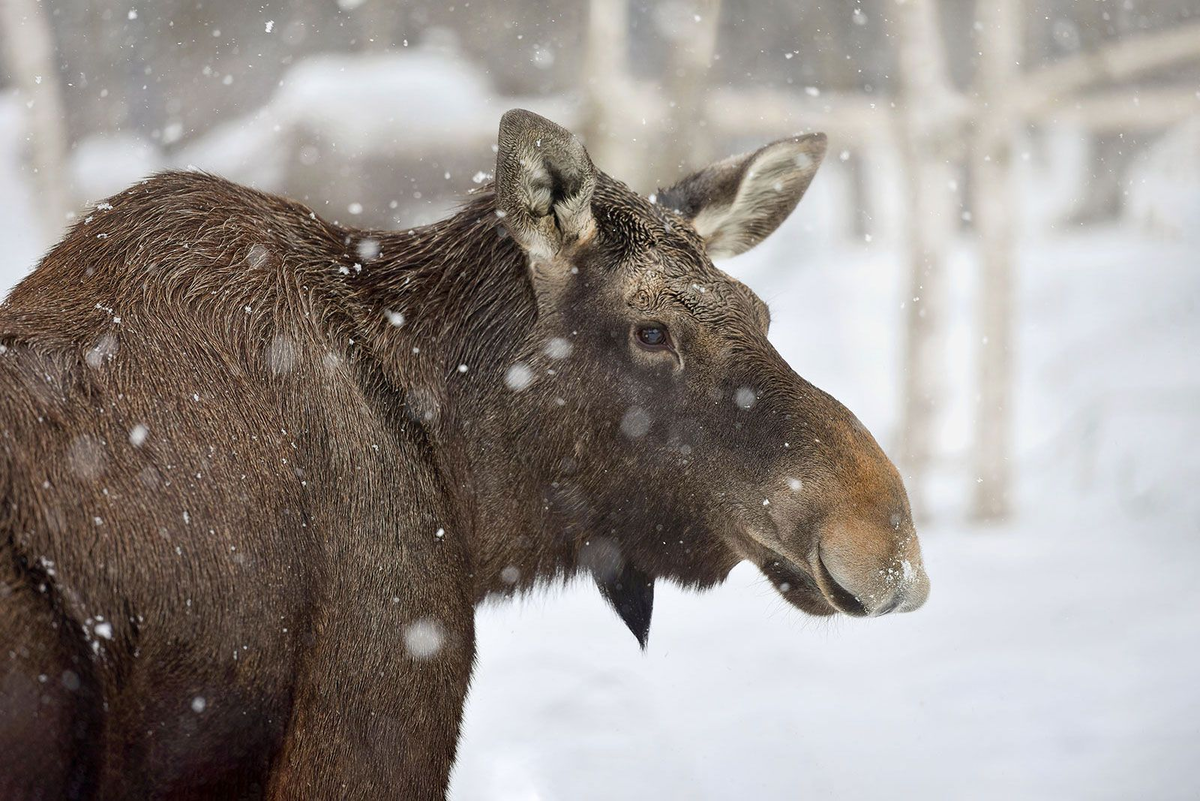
x=841, y=596
x=856, y=583
x=890, y=606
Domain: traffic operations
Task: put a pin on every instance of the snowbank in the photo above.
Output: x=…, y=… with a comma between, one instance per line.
x=394, y=104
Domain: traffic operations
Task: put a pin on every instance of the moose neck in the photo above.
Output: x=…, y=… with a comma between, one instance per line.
x=449, y=307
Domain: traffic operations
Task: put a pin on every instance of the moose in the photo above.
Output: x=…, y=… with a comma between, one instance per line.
x=257, y=469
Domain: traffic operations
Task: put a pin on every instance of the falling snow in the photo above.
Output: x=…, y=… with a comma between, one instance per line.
x=138, y=434
x=423, y=638
x=518, y=376
x=635, y=422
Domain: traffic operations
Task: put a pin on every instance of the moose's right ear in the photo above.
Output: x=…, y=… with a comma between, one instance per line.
x=544, y=183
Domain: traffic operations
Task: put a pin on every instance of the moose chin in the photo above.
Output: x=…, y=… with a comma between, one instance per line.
x=257, y=469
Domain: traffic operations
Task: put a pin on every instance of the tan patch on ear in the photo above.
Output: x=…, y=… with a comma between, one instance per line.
x=709, y=220
x=534, y=187
x=586, y=231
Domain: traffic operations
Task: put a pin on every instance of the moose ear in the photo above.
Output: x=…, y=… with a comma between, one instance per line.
x=736, y=203
x=631, y=593
x=544, y=182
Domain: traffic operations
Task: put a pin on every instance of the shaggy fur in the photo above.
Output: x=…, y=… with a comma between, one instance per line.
x=257, y=469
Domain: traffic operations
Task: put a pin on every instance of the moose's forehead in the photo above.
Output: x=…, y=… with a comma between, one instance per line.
x=709, y=295
x=664, y=261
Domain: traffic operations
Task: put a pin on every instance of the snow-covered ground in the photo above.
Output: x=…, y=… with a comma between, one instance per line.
x=1059, y=654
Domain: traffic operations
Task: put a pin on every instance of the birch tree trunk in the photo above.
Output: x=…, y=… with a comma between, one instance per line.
x=999, y=46
x=686, y=141
x=607, y=87
x=28, y=41
x=927, y=126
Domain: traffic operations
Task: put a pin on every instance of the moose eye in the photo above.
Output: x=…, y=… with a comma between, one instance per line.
x=653, y=336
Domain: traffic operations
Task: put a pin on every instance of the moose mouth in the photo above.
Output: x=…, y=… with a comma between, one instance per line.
x=812, y=589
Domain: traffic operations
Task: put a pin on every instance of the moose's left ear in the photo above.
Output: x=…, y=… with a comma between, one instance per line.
x=736, y=203
x=544, y=183
x=631, y=593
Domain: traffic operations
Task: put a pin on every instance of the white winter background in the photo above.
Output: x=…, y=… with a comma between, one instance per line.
x=1059, y=653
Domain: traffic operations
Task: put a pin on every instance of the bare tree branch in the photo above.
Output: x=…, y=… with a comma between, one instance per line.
x=1120, y=61
x=851, y=120
x=1124, y=110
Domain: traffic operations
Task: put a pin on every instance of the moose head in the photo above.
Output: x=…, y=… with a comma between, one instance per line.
x=646, y=408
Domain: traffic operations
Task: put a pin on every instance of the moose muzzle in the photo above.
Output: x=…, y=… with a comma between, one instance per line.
x=863, y=568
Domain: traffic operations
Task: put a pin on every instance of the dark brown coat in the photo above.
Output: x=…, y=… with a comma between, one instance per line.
x=257, y=469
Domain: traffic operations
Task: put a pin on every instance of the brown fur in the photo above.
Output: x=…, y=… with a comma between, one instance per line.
x=249, y=499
